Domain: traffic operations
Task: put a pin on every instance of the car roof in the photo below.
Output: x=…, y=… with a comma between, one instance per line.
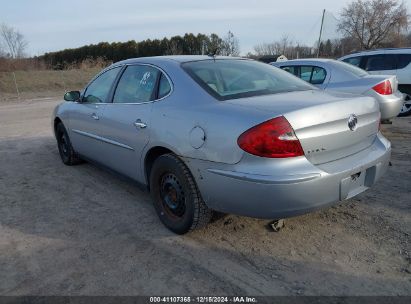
x=176, y=58
x=379, y=51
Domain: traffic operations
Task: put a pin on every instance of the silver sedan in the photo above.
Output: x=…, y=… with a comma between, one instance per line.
x=226, y=134
x=329, y=74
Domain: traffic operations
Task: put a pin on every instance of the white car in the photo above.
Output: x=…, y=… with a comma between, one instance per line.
x=387, y=62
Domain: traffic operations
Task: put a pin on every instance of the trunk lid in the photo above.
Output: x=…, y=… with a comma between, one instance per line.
x=320, y=121
x=363, y=85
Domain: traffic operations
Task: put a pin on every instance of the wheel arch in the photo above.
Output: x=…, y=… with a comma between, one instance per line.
x=150, y=158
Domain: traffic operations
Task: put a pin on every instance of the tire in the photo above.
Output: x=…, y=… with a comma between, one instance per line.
x=406, y=108
x=67, y=154
x=176, y=197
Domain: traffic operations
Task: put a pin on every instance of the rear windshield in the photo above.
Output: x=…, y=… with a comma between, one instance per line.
x=235, y=78
x=350, y=68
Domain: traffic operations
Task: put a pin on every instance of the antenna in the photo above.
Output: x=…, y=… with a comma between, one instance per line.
x=321, y=31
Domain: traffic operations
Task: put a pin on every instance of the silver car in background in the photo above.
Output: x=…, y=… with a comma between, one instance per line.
x=226, y=134
x=329, y=74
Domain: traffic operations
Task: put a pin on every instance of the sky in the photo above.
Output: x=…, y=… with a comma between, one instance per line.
x=51, y=25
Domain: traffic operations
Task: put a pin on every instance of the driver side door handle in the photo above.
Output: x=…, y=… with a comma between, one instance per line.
x=139, y=124
x=94, y=116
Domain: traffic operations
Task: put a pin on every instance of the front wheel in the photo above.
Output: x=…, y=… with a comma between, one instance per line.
x=67, y=154
x=406, y=108
x=176, y=197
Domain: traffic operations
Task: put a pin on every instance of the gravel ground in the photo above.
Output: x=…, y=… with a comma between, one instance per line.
x=81, y=231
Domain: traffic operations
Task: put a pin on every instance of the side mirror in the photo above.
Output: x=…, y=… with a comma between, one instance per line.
x=72, y=96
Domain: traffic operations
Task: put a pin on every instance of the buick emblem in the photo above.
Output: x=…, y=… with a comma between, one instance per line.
x=352, y=122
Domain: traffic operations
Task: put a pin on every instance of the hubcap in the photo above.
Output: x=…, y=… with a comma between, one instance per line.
x=406, y=107
x=172, y=195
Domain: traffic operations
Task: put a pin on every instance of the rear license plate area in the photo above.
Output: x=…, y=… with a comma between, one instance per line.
x=352, y=185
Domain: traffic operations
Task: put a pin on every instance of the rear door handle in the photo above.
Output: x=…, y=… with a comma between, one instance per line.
x=94, y=116
x=139, y=124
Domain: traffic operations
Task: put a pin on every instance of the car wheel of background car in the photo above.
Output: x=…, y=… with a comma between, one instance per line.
x=67, y=154
x=176, y=197
x=406, y=108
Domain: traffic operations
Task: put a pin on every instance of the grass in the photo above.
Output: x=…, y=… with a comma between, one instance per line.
x=43, y=83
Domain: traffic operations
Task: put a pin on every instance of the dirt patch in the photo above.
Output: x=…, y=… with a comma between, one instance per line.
x=42, y=83
x=81, y=231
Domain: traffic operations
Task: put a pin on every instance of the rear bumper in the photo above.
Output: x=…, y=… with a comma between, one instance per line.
x=278, y=188
x=390, y=106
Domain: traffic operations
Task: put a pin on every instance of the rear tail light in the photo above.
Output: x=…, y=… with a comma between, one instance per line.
x=383, y=88
x=274, y=138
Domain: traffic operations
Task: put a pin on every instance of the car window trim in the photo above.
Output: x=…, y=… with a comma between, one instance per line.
x=115, y=84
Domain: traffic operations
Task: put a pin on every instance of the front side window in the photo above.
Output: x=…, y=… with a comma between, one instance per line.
x=236, y=78
x=137, y=84
x=98, y=90
x=354, y=60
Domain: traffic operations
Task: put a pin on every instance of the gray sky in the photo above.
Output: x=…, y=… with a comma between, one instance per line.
x=53, y=25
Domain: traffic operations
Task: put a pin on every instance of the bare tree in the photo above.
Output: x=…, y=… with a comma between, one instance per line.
x=13, y=40
x=373, y=22
x=266, y=49
x=2, y=52
x=230, y=45
x=285, y=46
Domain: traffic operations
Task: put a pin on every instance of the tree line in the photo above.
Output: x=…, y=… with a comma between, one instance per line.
x=189, y=44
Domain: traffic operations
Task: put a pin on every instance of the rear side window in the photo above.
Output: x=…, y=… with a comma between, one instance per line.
x=305, y=73
x=236, y=78
x=98, y=90
x=403, y=60
x=354, y=60
x=318, y=75
x=137, y=84
x=164, y=87
x=381, y=62
x=311, y=74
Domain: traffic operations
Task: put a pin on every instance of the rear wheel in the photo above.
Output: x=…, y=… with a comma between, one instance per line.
x=406, y=108
x=67, y=154
x=176, y=197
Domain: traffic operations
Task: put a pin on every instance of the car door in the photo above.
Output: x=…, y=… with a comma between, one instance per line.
x=126, y=122
x=85, y=118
